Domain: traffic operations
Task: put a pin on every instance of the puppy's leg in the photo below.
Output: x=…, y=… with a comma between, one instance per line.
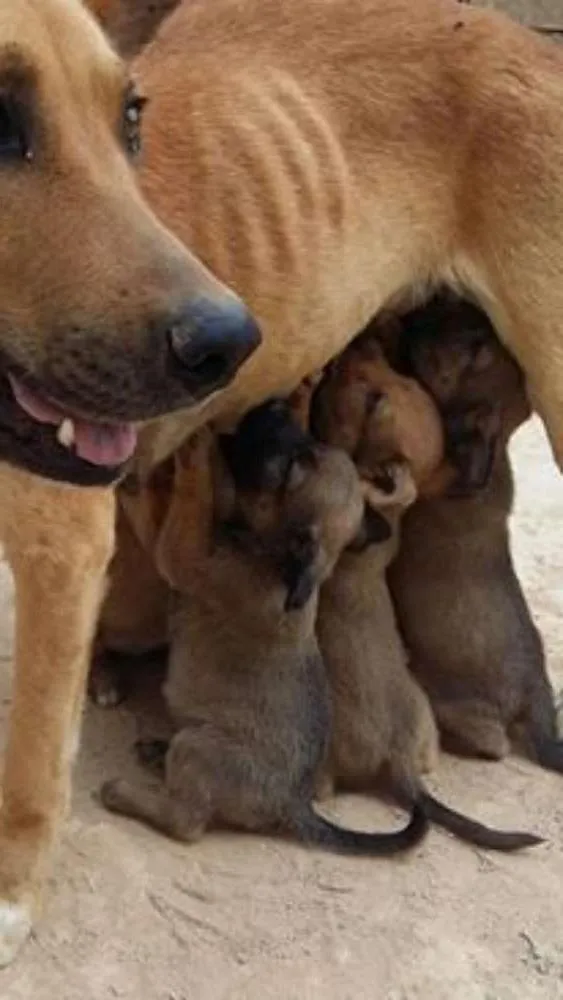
x=58, y=541
x=471, y=729
x=184, y=807
x=182, y=819
x=185, y=537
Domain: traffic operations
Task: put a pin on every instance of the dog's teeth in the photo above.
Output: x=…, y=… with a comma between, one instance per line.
x=65, y=433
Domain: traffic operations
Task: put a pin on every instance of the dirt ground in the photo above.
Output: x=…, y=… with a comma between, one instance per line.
x=132, y=915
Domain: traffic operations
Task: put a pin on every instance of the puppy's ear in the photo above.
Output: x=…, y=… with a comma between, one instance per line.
x=473, y=439
x=374, y=529
x=298, y=570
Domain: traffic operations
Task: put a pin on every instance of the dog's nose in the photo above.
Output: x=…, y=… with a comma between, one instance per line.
x=209, y=341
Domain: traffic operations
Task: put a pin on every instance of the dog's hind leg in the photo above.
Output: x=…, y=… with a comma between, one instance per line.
x=59, y=541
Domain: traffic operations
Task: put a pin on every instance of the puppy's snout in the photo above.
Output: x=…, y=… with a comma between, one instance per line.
x=209, y=341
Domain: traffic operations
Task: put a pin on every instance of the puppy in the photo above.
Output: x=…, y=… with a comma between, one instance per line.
x=247, y=686
x=382, y=720
x=450, y=347
x=461, y=609
x=377, y=415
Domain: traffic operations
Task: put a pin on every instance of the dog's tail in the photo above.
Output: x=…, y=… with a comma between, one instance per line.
x=311, y=828
x=474, y=832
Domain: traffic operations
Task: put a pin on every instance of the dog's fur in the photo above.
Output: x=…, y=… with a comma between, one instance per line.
x=382, y=720
x=246, y=684
x=461, y=609
x=321, y=156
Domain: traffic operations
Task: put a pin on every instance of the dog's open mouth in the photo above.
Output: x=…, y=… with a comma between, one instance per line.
x=109, y=445
x=55, y=441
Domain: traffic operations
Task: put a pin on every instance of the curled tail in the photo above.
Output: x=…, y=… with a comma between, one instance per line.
x=311, y=828
x=472, y=831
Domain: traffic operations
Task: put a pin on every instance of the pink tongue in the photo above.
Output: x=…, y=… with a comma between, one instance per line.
x=99, y=444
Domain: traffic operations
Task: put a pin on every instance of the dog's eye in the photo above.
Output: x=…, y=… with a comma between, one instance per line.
x=132, y=117
x=14, y=142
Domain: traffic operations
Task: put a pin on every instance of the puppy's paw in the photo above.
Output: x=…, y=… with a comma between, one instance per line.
x=106, y=686
x=112, y=794
x=15, y=928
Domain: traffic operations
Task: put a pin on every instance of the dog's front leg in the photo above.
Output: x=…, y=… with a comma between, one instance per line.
x=58, y=541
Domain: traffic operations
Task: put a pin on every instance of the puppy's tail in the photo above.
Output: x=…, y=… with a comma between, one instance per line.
x=473, y=832
x=311, y=828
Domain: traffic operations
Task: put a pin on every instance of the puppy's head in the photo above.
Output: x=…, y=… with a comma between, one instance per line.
x=106, y=318
x=451, y=347
x=302, y=500
x=377, y=415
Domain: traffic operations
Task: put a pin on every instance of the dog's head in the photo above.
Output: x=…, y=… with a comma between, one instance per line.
x=303, y=501
x=105, y=318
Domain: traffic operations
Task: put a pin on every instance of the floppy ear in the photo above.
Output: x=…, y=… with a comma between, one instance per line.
x=374, y=529
x=473, y=441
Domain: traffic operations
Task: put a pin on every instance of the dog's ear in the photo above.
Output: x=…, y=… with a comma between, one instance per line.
x=299, y=566
x=473, y=438
x=374, y=529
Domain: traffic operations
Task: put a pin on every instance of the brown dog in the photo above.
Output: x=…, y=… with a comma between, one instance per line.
x=106, y=320
x=460, y=606
x=382, y=718
x=246, y=684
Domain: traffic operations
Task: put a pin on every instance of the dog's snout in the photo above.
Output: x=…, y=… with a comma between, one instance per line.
x=209, y=341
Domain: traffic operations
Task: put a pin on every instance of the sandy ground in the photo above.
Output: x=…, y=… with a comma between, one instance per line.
x=132, y=915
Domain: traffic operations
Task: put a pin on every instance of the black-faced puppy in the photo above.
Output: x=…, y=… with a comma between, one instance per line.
x=247, y=686
x=461, y=609
x=382, y=720
x=450, y=347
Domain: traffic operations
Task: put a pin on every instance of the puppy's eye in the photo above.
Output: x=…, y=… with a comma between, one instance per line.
x=132, y=118
x=14, y=141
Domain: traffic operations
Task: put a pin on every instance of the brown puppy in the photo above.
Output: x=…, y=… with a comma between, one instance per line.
x=461, y=609
x=382, y=720
x=247, y=686
x=377, y=415
x=450, y=346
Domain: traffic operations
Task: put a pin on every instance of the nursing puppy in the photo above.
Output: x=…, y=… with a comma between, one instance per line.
x=247, y=686
x=382, y=720
x=377, y=415
x=461, y=609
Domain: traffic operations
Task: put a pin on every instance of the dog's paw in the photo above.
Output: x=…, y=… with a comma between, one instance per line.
x=15, y=928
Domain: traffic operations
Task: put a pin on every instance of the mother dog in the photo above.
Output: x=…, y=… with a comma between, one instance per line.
x=322, y=157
